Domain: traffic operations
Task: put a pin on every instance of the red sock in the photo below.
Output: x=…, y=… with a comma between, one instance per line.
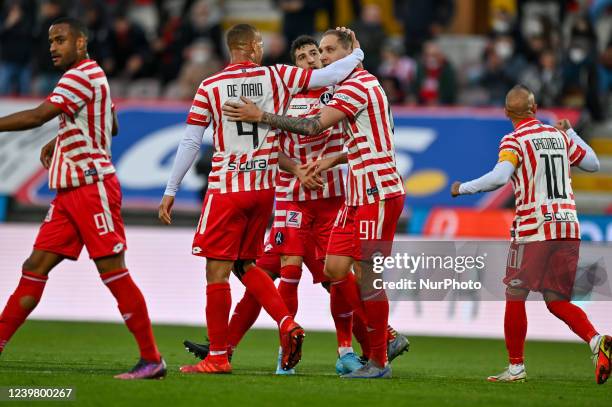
x=261, y=286
x=515, y=329
x=343, y=319
x=244, y=316
x=360, y=330
x=574, y=317
x=218, y=305
x=349, y=290
x=288, y=287
x=377, y=310
x=19, y=305
x=133, y=309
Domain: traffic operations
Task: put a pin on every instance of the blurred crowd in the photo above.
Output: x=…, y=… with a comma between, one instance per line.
x=162, y=49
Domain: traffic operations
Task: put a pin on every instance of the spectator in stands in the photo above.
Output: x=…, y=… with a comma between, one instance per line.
x=435, y=82
x=494, y=78
x=423, y=20
x=130, y=52
x=398, y=66
x=544, y=79
x=393, y=89
x=275, y=50
x=299, y=17
x=580, y=78
x=15, y=49
x=44, y=71
x=369, y=29
x=96, y=19
x=201, y=63
x=200, y=24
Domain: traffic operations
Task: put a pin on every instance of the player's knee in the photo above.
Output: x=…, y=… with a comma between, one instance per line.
x=291, y=260
x=516, y=294
x=36, y=265
x=334, y=273
x=550, y=296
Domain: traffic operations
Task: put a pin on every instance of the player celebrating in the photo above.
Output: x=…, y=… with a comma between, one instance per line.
x=304, y=216
x=546, y=234
x=86, y=210
x=240, y=194
x=366, y=223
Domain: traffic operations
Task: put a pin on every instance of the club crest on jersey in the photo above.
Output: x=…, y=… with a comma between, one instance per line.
x=294, y=219
x=326, y=98
x=279, y=238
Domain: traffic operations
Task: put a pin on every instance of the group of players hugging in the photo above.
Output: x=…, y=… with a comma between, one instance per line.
x=280, y=136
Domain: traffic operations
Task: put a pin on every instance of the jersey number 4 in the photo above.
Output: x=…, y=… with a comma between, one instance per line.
x=554, y=167
x=253, y=132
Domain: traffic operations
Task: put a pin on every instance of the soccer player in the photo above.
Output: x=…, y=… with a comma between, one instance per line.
x=87, y=208
x=305, y=212
x=240, y=195
x=366, y=223
x=545, y=233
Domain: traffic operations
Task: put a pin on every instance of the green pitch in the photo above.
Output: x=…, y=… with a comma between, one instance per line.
x=436, y=371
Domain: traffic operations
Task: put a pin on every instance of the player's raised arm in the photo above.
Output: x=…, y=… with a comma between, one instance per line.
x=494, y=179
x=29, y=119
x=186, y=154
x=580, y=153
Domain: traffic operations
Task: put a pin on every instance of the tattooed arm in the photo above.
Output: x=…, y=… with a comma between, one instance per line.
x=309, y=126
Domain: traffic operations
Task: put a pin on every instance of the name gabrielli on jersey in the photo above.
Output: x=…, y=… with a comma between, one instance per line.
x=548, y=143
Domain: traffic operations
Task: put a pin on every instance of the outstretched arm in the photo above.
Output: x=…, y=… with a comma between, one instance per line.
x=310, y=126
x=29, y=119
x=494, y=179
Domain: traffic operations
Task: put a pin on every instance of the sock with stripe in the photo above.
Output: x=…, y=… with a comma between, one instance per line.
x=360, y=330
x=343, y=319
x=218, y=305
x=20, y=304
x=574, y=317
x=260, y=285
x=245, y=314
x=348, y=288
x=515, y=329
x=376, y=307
x=288, y=287
x=133, y=308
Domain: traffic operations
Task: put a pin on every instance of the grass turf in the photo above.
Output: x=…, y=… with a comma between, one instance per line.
x=436, y=371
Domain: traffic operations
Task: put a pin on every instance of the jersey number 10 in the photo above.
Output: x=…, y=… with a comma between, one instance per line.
x=553, y=166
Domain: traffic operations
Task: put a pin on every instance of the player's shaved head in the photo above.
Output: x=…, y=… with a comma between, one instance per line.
x=241, y=35
x=520, y=103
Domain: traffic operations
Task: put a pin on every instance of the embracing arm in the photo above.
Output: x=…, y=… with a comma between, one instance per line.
x=336, y=72
x=308, y=126
x=29, y=119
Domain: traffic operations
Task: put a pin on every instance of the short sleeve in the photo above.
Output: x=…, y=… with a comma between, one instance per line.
x=351, y=98
x=510, y=144
x=73, y=91
x=200, y=112
x=574, y=151
x=296, y=79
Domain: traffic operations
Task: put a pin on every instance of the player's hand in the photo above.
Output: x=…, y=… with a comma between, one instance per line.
x=352, y=34
x=247, y=111
x=165, y=209
x=324, y=164
x=308, y=176
x=563, y=125
x=46, y=154
x=455, y=189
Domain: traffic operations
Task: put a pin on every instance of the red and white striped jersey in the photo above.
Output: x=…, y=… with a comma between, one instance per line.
x=372, y=172
x=304, y=149
x=83, y=147
x=545, y=207
x=246, y=154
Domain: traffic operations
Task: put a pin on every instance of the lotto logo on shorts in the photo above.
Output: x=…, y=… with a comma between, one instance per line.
x=49, y=214
x=196, y=250
x=294, y=219
x=118, y=248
